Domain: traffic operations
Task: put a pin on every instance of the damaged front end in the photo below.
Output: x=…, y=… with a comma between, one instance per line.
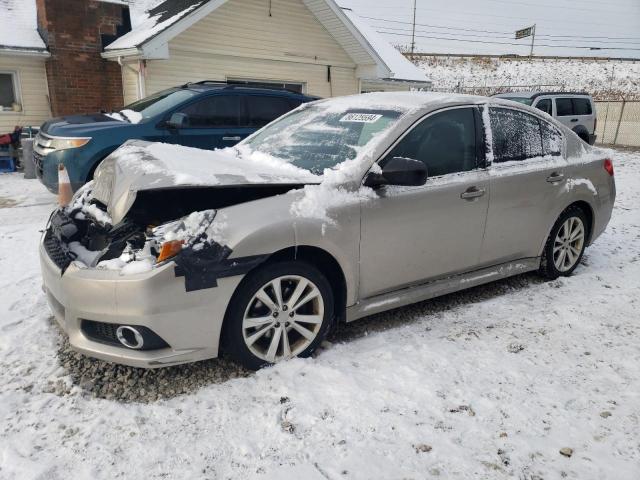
x=148, y=236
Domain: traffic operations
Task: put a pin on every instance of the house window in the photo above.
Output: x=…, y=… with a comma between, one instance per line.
x=9, y=97
x=291, y=86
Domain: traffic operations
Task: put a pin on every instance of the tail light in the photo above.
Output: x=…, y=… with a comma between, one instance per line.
x=595, y=124
x=608, y=166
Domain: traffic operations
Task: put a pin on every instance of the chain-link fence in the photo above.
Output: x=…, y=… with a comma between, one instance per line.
x=618, y=122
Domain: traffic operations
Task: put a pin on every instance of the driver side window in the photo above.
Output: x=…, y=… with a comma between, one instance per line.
x=445, y=142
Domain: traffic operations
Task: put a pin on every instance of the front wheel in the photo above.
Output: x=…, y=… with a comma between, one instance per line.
x=565, y=245
x=280, y=311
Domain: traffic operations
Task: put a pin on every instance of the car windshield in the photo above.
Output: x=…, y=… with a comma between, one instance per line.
x=319, y=136
x=160, y=102
x=525, y=100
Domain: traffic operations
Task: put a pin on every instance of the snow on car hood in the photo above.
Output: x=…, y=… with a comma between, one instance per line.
x=140, y=165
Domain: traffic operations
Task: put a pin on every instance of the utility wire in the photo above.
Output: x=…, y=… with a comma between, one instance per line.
x=508, y=43
x=498, y=37
x=495, y=31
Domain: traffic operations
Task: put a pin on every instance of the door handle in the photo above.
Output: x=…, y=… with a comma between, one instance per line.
x=232, y=139
x=574, y=120
x=472, y=192
x=555, y=177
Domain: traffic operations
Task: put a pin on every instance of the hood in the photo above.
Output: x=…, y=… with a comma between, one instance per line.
x=144, y=166
x=82, y=125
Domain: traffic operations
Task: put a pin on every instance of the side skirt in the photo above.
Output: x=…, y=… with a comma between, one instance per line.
x=436, y=288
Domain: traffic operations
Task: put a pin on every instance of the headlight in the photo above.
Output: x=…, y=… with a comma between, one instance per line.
x=58, y=143
x=172, y=237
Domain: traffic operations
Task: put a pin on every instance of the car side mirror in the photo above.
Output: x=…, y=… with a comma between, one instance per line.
x=177, y=121
x=399, y=171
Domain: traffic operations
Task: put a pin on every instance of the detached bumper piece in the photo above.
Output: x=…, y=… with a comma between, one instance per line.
x=126, y=336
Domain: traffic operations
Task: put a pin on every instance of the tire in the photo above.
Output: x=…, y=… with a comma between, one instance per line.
x=561, y=255
x=253, y=325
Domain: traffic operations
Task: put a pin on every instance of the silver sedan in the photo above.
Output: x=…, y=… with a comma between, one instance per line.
x=340, y=209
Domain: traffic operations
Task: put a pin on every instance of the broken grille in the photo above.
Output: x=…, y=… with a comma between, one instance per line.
x=55, y=251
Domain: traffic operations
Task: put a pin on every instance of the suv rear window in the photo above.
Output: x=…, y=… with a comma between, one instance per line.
x=264, y=109
x=581, y=106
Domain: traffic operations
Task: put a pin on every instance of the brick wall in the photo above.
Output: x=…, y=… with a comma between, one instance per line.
x=80, y=81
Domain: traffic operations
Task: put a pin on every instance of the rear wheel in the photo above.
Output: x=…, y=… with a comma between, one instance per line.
x=566, y=244
x=282, y=310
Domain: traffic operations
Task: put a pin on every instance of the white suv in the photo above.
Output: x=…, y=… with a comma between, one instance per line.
x=575, y=110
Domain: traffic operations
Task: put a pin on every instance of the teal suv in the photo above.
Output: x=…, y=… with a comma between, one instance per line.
x=205, y=115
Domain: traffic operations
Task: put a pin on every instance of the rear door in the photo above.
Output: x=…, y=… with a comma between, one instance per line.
x=577, y=113
x=411, y=235
x=216, y=121
x=527, y=183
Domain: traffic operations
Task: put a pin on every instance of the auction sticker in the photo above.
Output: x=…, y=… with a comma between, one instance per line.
x=361, y=117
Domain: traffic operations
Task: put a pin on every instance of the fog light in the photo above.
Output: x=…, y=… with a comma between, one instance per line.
x=129, y=337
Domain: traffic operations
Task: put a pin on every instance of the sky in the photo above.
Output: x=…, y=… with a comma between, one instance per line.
x=612, y=27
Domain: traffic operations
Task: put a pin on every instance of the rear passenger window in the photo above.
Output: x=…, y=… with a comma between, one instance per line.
x=545, y=106
x=551, y=139
x=263, y=110
x=581, y=106
x=516, y=135
x=564, y=107
x=445, y=142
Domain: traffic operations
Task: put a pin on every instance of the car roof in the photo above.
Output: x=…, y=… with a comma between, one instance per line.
x=207, y=85
x=536, y=94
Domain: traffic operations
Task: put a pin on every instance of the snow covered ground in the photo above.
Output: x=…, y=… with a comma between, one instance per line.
x=489, y=383
x=600, y=78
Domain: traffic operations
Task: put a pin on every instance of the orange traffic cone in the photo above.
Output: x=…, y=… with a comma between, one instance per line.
x=64, y=186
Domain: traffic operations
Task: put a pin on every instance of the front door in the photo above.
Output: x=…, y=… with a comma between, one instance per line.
x=527, y=185
x=410, y=235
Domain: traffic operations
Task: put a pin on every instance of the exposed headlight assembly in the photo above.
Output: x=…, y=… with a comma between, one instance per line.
x=190, y=231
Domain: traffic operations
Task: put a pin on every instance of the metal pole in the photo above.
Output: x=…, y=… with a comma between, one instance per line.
x=413, y=33
x=533, y=39
x=615, y=139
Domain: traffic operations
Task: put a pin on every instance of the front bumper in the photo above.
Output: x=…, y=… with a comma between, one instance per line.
x=190, y=322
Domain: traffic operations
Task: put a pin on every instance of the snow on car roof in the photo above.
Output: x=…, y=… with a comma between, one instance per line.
x=19, y=26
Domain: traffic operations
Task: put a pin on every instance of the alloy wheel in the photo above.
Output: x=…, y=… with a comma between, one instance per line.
x=568, y=244
x=283, y=318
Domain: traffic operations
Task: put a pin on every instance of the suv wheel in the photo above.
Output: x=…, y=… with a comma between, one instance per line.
x=280, y=311
x=565, y=245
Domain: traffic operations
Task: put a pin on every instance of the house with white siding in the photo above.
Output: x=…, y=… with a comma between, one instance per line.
x=310, y=45
x=23, y=53
x=76, y=56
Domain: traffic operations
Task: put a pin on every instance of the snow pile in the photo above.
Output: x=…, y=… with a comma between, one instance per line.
x=489, y=383
x=493, y=75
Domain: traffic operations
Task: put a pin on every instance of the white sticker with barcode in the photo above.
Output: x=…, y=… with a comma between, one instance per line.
x=361, y=117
